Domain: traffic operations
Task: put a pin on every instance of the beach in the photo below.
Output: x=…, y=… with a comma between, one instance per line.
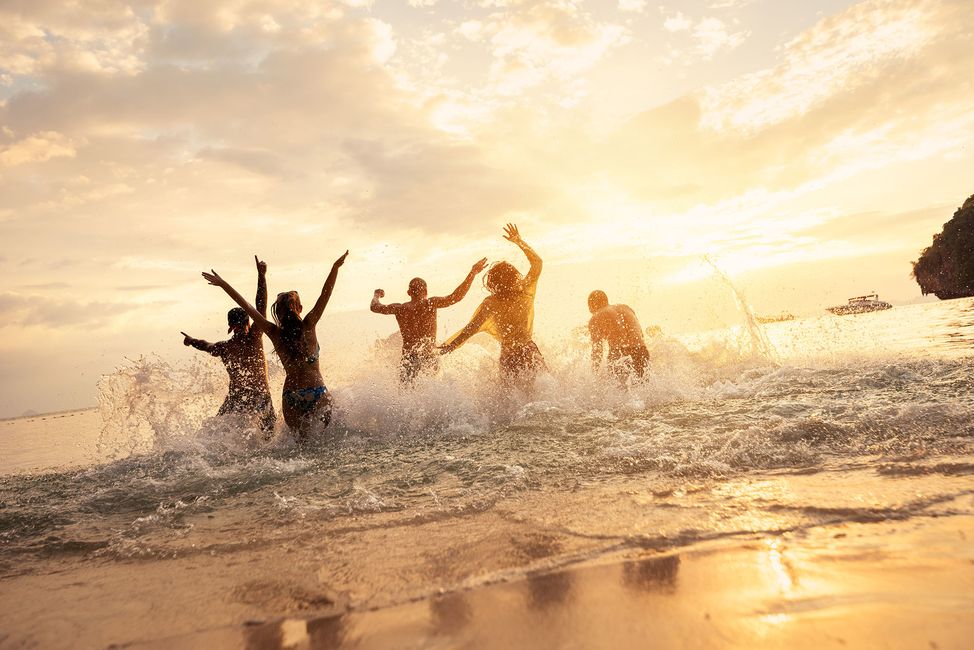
x=731, y=500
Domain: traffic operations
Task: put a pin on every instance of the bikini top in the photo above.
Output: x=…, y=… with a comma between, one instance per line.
x=313, y=358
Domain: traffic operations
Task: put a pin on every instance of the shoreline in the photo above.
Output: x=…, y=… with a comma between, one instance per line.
x=895, y=583
x=52, y=414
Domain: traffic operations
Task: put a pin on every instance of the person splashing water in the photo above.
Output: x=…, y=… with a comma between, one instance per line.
x=306, y=402
x=417, y=322
x=508, y=315
x=617, y=328
x=243, y=356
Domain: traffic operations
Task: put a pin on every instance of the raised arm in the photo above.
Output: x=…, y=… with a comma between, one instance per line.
x=379, y=308
x=315, y=314
x=512, y=235
x=461, y=337
x=261, y=303
x=461, y=291
x=214, y=278
x=199, y=344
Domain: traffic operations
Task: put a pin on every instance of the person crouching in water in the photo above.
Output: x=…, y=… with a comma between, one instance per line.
x=243, y=356
x=417, y=322
x=507, y=314
x=616, y=327
x=306, y=402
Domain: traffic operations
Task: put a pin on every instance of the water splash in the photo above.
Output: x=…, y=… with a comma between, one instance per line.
x=754, y=342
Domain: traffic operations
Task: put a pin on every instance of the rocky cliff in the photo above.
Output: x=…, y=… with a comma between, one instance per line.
x=946, y=267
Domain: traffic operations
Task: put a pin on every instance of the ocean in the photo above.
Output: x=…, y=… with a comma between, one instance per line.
x=455, y=515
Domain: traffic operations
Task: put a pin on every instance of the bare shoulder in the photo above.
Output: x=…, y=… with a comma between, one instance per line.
x=626, y=309
x=597, y=321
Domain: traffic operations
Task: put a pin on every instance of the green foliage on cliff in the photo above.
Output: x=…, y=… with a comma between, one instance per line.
x=946, y=267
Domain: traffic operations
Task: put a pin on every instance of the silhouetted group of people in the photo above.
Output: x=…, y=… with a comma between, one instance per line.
x=507, y=314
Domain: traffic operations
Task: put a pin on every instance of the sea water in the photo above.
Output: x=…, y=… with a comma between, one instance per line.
x=752, y=429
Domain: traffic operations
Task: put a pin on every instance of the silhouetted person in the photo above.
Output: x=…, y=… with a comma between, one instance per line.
x=305, y=402
x=243, y=356
x=417, y=322
x=507, y=314
x=616, y=327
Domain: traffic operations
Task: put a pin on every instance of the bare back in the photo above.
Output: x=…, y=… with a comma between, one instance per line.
x=299, y=356
x=618, y=326
x=417, y=323
x=243, y=357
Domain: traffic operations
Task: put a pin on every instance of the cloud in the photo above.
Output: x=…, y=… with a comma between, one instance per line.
x=258, y=161
x=532, y=43
x=634, y=6
x=31, y=310
x=39, y=37
x=709, y=35
x=37, y=148
x=869, y=87
x=435, y=185
x=840, y=52
x=712, y=35
x=677, y=23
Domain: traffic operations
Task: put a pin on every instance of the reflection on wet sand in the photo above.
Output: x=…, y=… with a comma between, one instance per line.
x=746, y=595
x=450, y=613
x=263, y=636
x=326, y=632
x=655, y=574
x=549, y=590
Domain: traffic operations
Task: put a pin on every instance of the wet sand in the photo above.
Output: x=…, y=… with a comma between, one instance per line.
x=889, y=584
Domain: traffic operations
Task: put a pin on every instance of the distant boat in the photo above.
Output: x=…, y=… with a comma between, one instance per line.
x=861, y=305
x=778, y=318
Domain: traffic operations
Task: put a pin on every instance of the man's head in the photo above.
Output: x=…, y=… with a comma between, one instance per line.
x=597, y=300
x=417, y=289
x=237, y=320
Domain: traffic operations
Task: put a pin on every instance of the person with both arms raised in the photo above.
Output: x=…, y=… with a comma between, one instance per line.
x=243, y=356
x=417, y=322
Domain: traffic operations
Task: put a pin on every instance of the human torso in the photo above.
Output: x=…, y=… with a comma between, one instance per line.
x=243, y=357
x=618, y=326
x=512, y=317
x=299, y=356
x=417, y=323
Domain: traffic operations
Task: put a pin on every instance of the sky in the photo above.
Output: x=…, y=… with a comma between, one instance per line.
x=811, y=149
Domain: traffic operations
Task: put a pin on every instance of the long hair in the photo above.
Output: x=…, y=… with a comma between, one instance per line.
x=287, y=314
x=502, y=279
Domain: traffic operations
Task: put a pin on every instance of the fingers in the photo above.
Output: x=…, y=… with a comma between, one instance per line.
x=213, y=278
x=185, y=334
x=256, y=261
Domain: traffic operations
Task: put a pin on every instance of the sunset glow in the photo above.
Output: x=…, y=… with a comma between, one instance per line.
x=810, y=149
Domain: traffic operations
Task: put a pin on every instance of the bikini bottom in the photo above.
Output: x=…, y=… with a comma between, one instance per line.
x=304, y=400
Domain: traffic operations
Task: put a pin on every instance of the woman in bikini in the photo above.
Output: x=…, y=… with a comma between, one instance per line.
x=508, y=315
x=306, y=402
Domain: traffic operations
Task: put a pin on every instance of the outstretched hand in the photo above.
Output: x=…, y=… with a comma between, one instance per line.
x=340, y=260
x=187, y=339
x=261, y=266
x=214, y=278
x=511, y=234
x=479, y=266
